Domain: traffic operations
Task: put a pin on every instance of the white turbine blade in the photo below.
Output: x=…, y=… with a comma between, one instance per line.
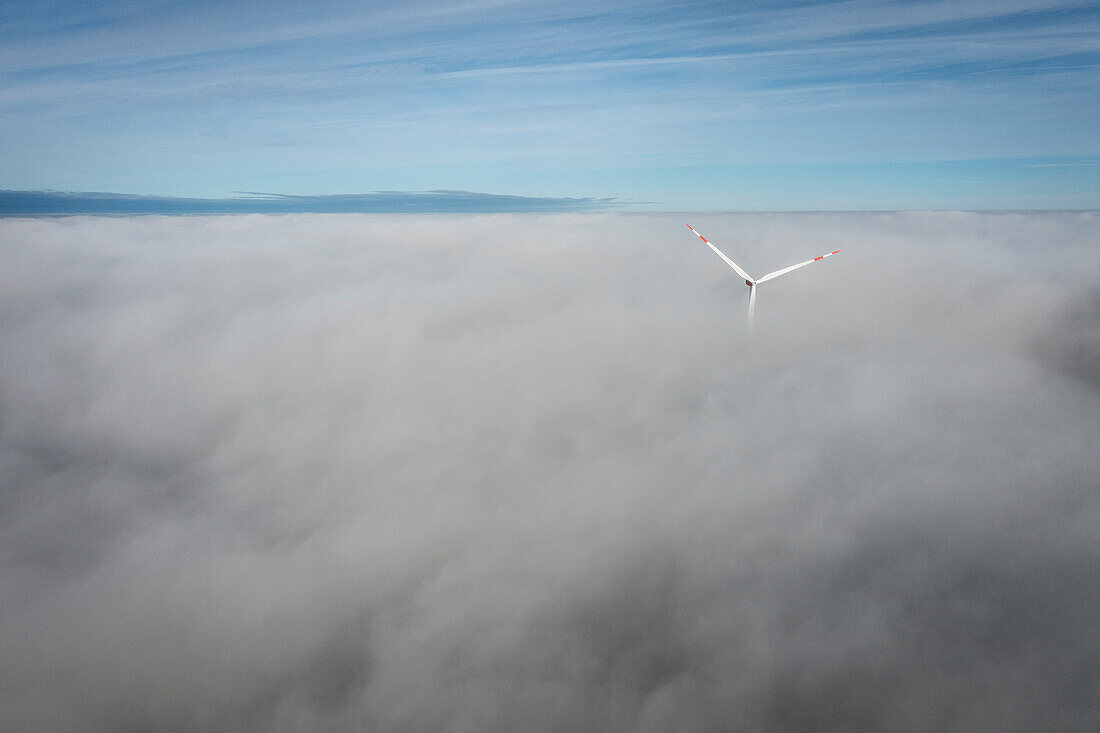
x=729, y=262
x=752, y=303
x=785, y=270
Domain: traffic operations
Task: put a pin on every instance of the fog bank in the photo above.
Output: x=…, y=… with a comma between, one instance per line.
x=312, y=472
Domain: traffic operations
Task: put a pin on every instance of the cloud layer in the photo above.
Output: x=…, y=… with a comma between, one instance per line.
x=526, y=472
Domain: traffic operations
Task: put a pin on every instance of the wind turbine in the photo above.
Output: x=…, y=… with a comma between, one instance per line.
x=748, y=278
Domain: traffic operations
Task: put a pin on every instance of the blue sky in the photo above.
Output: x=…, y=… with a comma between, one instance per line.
x=688, y=106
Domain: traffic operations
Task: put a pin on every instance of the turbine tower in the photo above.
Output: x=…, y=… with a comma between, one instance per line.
x=749, y=279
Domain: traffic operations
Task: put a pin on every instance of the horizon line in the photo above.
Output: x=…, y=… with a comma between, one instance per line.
x=50, y=202
x=53, y=202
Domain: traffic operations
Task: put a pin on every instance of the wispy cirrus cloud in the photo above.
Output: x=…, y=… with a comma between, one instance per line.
x=538, y=96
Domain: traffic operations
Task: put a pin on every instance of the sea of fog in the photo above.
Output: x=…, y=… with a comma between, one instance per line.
x=528, y=472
